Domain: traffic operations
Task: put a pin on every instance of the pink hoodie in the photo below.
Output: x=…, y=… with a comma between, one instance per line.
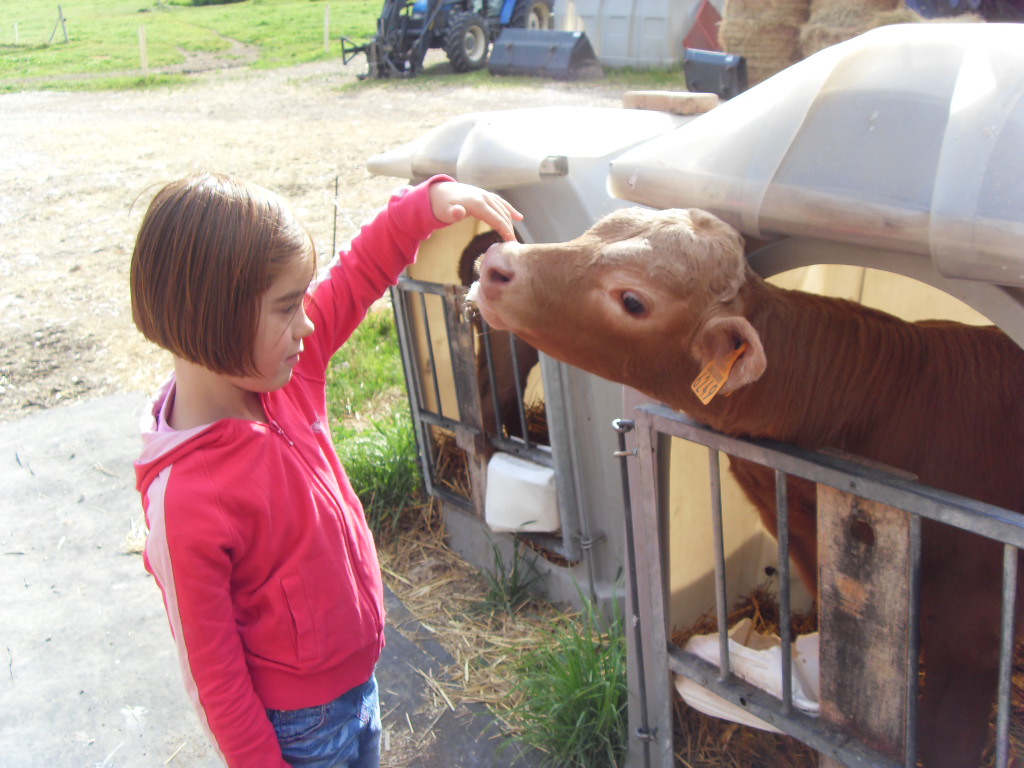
x=259, y=544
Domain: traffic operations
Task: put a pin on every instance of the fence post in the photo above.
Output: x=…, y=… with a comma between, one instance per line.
x=327, y=29
x=863, y=551
x=143, y=53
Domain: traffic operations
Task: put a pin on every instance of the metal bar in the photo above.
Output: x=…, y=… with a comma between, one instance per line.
x=651, y=597
x=430, y=350
x=721, y=593
x=785, y=608
x=439, y=420
x=520, y=404
x=987, y=520
x=1006, y=656
x=913, y=642
x=411, y=285
x=809, y=730
x=542, y=454
x=492, y=377
x=399, y=306
x=450, y=497
x=621, y=427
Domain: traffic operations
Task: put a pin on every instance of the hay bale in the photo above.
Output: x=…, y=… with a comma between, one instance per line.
x=835, y=22
x=835, y=11
x=766, y=33
x=785, y=12
x=818, y=37
x=767, y=48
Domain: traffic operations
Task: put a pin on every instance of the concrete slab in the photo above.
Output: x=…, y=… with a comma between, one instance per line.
x=89, y=673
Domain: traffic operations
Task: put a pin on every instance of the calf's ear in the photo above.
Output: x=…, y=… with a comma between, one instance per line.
x=718, y=341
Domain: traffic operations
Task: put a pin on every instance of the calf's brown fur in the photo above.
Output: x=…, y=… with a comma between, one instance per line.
x=648, y=298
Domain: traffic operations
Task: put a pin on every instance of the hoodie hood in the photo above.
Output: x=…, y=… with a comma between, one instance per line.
x=161, y=448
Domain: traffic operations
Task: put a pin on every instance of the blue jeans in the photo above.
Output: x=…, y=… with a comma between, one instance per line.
x=344, y=733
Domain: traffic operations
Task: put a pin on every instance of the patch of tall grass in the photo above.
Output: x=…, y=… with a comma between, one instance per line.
x=371, y=424
x=511, y=585
x=572, y=692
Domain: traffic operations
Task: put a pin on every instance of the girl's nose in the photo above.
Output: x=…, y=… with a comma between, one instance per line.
x=305, y=326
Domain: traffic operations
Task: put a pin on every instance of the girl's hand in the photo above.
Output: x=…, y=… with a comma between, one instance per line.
x=453, y=201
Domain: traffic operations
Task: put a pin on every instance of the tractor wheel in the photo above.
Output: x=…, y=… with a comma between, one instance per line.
x=466, y=42
x=532, y=14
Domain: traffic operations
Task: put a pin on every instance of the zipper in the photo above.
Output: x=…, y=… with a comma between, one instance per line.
x=363, y=588
x=277, y=428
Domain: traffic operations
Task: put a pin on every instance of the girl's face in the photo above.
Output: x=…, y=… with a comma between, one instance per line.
x=283, y=324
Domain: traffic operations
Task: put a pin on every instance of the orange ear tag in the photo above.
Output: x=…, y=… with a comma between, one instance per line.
x=715, y=374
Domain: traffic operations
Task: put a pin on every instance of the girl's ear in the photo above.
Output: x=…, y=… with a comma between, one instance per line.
x=718, y=341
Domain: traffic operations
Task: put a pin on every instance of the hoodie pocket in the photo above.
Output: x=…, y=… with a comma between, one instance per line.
x=304, y=634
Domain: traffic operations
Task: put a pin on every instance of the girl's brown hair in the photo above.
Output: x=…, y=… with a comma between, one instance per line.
x=208, y=248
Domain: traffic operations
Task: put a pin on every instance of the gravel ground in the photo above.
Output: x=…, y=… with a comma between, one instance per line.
x=78, y=169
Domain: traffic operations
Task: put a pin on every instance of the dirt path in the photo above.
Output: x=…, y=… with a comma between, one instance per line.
x=77, y=171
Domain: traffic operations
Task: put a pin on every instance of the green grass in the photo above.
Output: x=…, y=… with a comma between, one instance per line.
x=104, y=34
x=371, y=424
x=103, y=48
x=572, y=693
x=510, y=586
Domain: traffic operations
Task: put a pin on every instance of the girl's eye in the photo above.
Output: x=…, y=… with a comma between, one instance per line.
x=633, y=304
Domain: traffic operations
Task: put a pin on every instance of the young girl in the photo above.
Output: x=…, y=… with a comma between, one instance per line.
x=267, y=567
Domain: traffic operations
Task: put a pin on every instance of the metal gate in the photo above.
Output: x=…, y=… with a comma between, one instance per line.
x=653, y=656
x=465, y=422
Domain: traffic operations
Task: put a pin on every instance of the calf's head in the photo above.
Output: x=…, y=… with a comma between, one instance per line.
x=643, y=297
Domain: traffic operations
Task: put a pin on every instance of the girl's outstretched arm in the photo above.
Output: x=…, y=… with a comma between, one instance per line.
x=453, y=201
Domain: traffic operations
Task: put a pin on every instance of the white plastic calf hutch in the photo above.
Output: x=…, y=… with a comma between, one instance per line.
x=888, y=169
x=557, y=487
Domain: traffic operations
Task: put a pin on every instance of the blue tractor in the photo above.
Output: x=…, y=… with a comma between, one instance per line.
x=465, y=29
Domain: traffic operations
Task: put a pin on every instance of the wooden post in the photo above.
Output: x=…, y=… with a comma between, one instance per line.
x=327, y=29
x=863, y=552
x=462, y=340
x=143, y=53
x=63, y=23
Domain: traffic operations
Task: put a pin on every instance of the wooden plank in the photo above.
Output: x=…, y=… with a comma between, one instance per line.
x=462, y=341
x=863, y=552
x=673, y=102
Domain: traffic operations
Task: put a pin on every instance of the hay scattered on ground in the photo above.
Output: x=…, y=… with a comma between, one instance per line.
x=446, y=596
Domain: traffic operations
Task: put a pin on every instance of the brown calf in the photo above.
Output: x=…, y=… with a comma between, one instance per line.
x=649, y=298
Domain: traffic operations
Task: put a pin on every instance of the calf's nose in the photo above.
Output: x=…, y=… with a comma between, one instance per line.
x=496, y=269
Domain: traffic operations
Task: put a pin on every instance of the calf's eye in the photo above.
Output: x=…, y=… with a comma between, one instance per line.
x=633, y=304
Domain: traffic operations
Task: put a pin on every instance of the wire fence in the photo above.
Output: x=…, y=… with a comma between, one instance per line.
x=31, y=27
